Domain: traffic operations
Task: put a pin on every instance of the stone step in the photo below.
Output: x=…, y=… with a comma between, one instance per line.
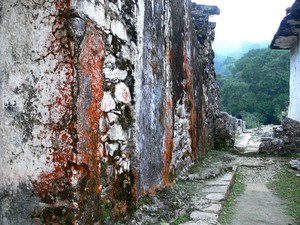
x=207, y=205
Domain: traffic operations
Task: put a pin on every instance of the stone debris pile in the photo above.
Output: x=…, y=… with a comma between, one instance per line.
x=283, y=139
x=295, y=165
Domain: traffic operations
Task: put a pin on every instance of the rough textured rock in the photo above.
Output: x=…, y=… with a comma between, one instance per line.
x=291, y=135
x=210, y=90
x=286, y=139
x=225, y=130
x=101, y=103
x=295, y=164
x=274, y=146
x=286, y=34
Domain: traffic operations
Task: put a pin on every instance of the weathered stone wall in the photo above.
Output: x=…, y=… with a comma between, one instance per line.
x=101, y=102
x=211, y=97
x=226, y=128
x=291, y=135
x=66, y=110
x=285, y=139
x=167, y=81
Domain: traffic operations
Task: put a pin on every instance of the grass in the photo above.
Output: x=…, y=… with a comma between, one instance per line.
x=181, y=220
x=236, y=190
x=200, y=164
x=146, y=200
x=287, y=186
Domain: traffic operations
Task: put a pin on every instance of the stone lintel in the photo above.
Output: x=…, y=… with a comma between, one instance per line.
x=289, y=29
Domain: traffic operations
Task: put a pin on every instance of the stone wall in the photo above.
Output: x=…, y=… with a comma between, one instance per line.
x=101, y=102
x=285, y=139
x=226, y=128
x=211, y=97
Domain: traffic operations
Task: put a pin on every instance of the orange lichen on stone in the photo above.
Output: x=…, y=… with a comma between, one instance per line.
x=204, y=131
x=73, y=128
x=90, y=96
x=168, y=173
x=188, y=87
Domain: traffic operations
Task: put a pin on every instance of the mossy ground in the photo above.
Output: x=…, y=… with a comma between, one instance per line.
x=212, y=156
x=287, y=186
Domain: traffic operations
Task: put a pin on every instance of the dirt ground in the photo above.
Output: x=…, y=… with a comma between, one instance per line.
x=257, y=204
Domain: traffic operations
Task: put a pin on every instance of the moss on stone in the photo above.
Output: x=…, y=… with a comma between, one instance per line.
x=146, y=200
x=106, y=211
x=116, y=45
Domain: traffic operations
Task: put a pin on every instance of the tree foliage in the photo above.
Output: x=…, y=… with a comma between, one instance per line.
x=259, y=86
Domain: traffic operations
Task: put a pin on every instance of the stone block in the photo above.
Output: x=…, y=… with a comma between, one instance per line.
x=122, y=93
x=215, y=189
x=119, y=29
x=213, y=208
x=116, y=133
x=112, y=117
x=216, y=196
x=107, y=103
x=115, y=74
x=204, y=216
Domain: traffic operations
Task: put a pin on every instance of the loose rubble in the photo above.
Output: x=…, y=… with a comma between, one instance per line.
x=295, y=165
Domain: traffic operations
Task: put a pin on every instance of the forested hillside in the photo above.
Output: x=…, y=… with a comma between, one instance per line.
x=259, y=86
x=225, y=55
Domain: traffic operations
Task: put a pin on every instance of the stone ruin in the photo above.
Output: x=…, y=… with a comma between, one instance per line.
x=283, y=139
x=226, y=129
x=102, y=102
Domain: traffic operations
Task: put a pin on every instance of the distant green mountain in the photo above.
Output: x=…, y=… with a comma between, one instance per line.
x=258, y=86
x=226, y=54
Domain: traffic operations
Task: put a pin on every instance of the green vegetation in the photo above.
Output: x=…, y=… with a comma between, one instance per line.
x=198, y=166
x=146, y=200
x=106, y=211
x=181, y=220
x=287, y=186
x=236, y=190
x=258, y=86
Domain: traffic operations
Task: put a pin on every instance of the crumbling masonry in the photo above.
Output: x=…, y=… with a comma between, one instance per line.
x=101, y=102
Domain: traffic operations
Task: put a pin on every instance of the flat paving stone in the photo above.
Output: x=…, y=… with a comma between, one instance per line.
x=219, y=182
x=227, y=177
x=207, y=203
x=204, y=216
x=215, y=189
x=195, y=223
x=216, y=196
x=200, y=223
x=213, y=208
x=203, y=203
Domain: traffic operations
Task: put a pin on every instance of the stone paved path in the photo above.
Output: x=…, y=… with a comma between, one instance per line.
x=208, y=202
x=257, y=205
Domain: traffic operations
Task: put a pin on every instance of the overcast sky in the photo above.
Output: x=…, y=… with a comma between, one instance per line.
x=247, y=20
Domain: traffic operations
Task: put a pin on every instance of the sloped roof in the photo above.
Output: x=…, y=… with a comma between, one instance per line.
x=289, y=28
